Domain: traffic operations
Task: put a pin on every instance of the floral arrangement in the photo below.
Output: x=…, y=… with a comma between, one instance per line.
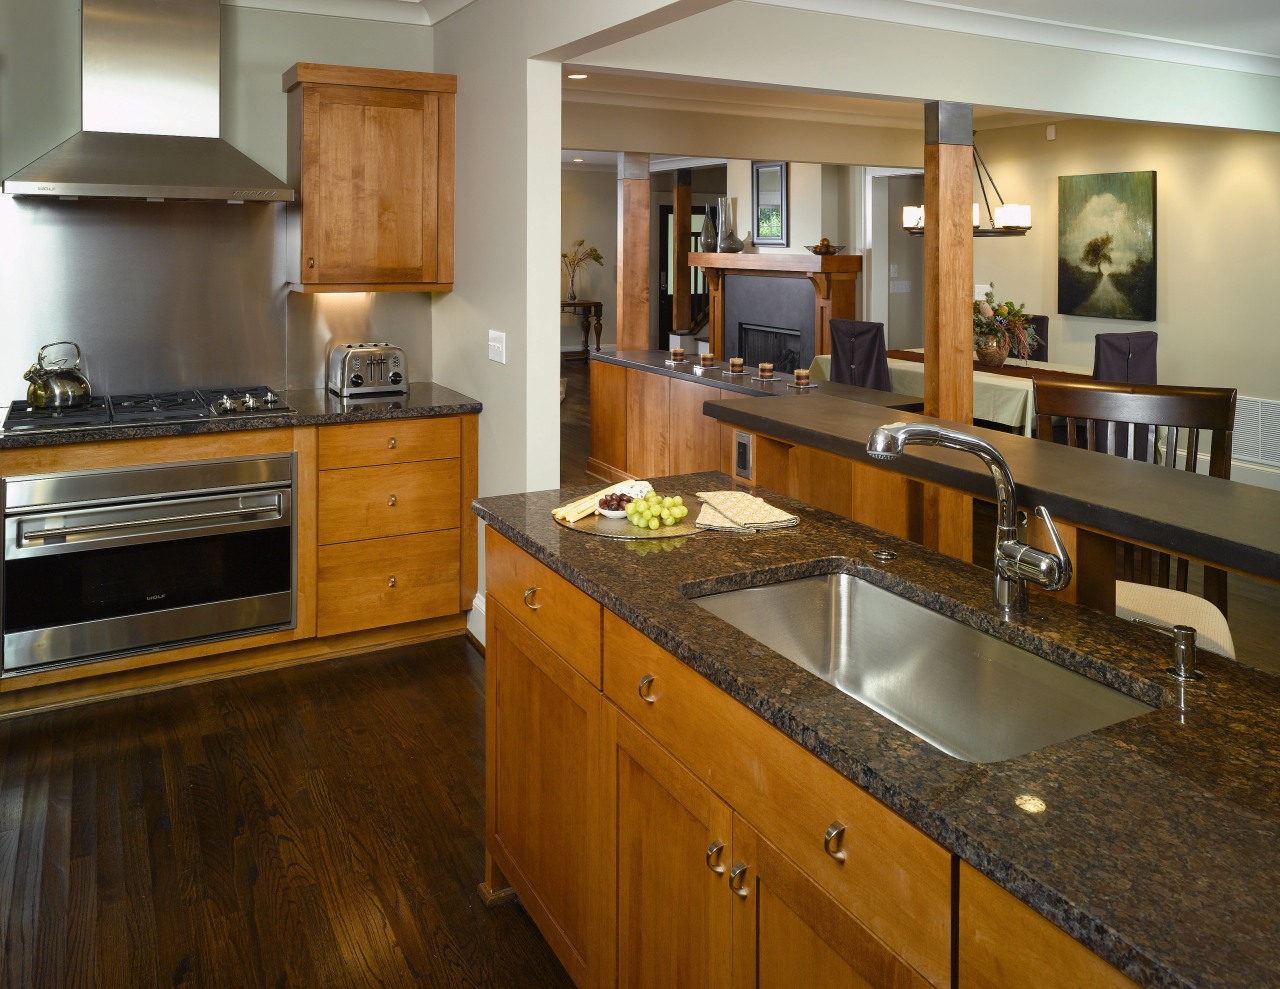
x=1003, y=324
x=575, y=259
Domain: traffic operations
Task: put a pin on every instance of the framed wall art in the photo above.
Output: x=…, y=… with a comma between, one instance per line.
x=1107, y=245
x=769, y=203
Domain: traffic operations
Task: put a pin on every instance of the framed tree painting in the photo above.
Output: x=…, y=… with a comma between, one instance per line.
x=1107, y=245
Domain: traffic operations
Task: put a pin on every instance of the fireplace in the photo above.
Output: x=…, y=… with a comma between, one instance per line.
x=769, y=319
x=777, y=345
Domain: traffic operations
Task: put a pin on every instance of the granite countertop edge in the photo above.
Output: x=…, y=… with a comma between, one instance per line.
x=315, y=407
x=877, y=759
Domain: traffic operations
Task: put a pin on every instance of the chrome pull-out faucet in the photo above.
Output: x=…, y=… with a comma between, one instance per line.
x=1015, y=561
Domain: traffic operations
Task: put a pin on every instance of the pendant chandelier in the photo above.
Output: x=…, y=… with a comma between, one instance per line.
x=1008, y=219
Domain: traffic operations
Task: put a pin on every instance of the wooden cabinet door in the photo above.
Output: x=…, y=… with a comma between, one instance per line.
x=789, y=934
x=549, y=794
x=672, y=853
x=1003, y=942
x=370, y=182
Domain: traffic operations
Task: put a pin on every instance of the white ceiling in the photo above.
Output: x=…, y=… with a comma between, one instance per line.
x=1237, y=34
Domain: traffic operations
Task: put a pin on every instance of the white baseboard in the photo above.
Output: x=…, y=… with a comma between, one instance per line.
x=475, y=618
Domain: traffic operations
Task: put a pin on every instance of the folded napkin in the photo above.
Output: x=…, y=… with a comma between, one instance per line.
x=737, y=511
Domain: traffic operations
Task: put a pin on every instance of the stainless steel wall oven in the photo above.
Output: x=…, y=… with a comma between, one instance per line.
x=109, y=562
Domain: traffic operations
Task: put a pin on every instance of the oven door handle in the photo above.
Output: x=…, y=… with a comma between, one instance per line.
x=78, y=530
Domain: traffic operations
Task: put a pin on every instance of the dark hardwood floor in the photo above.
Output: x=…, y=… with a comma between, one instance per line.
x=312, y=827
x=575, y=425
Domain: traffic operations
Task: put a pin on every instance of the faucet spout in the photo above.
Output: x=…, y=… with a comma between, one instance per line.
x=1015, y=561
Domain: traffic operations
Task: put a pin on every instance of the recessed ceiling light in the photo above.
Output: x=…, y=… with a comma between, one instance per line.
x=579, y=161
x=577, y=75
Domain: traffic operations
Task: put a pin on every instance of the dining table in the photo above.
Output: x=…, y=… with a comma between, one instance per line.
x=1000, y=395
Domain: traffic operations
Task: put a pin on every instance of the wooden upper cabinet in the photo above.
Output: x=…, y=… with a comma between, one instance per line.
x=371, y=157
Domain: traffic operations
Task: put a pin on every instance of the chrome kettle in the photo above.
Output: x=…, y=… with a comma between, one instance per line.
x=56, y=386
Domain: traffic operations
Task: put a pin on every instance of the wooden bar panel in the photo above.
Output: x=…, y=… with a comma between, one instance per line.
x=648, y=440
x=608, y=421
x=694, y=437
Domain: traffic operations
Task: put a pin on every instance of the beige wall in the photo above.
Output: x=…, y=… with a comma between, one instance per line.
x=1217, y=243
x=589, y=211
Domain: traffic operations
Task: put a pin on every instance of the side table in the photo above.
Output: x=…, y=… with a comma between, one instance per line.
x=589, y=311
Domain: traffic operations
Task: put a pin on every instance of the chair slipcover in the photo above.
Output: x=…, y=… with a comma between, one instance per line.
x=858, y=354
x=1125, y=357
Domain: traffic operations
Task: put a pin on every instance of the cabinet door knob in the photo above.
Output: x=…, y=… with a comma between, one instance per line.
x=391, y=443
x=738, y=879
x=391, y=581
x=646, y=688
x=392, y=501
x=832, y=839
x=528, y=599
x=713, y=852
x=311, y=262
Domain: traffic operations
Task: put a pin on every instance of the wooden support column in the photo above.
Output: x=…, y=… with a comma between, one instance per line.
x=633, y=251
x=680, y=273
x=948, y=300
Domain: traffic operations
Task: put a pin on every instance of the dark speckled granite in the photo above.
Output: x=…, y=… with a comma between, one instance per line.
x=316, y=407
x=1160, y=847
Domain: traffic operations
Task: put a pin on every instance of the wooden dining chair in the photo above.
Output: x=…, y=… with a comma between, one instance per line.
x=1126, y=420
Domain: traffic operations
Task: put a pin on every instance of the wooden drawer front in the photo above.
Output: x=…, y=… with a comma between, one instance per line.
x=378, y=582
x=392, y=500
x=895, y=879
x=557, y=612
x=395, y=441
x=1003, y=942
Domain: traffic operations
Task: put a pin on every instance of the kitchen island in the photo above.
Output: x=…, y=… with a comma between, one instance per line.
x=1154, y=843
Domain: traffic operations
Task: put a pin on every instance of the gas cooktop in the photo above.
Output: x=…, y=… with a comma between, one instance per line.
x=193, y=405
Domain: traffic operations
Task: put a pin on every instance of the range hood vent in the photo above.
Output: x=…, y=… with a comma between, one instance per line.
x=150, y=113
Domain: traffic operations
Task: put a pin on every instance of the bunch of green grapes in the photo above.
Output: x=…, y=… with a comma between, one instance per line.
x=653, y=510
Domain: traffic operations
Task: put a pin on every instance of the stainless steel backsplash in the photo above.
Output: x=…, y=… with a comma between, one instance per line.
x=157, y=295
x=178, y=295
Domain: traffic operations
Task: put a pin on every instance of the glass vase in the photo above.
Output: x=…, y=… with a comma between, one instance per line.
x=707, y=240
x=571, y=295
x=728, y=242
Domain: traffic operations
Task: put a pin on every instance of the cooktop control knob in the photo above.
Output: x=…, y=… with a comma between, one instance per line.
x=225, y=404
x=270, y=398
x=357, y=380
x=248, y=403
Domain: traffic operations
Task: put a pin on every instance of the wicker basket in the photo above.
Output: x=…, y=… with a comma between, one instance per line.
x=993, y=355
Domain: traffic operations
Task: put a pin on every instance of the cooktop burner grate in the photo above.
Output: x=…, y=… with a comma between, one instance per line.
x=189, y=405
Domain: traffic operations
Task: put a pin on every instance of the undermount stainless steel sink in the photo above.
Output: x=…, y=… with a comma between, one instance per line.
x=973, y=696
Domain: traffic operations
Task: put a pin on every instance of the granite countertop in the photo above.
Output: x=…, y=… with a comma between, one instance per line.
x=315, y=407
x=1228, y=523
x=1159, y=848
x=747, y=383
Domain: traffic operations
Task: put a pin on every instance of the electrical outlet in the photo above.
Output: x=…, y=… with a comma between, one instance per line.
x=498, y=346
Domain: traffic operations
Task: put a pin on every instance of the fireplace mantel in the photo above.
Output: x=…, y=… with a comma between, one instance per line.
x=834, y=279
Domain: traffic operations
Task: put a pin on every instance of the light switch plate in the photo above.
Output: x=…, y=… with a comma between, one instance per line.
x=498, y=346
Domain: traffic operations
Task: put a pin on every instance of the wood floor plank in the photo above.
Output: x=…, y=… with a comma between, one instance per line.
x=320, y=826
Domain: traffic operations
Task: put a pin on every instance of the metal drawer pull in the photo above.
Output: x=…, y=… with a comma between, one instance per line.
x=391, y=443
x=713, y=852
x=391, y=581
x=738, y=879
x=832, y=838
x=646, y=687
x=529, y=594
x=392, y=501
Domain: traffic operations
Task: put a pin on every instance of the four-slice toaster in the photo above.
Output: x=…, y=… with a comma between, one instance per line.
x=368, y=369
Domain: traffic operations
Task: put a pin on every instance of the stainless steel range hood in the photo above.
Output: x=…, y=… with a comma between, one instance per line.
x=150, y=113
